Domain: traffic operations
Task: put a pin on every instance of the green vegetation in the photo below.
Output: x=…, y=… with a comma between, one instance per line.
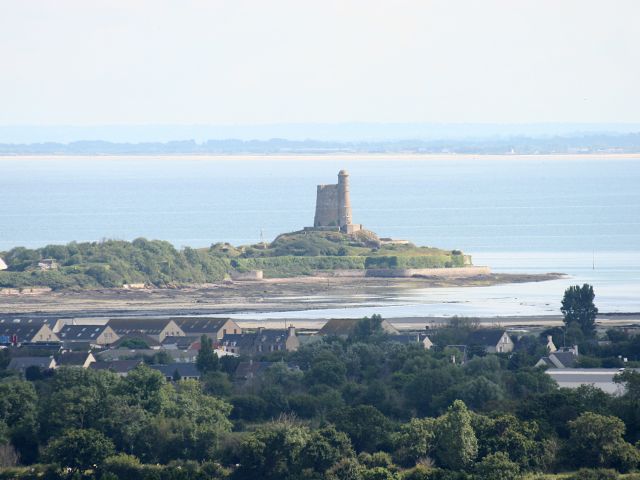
x=114, y=263
x=579, y=310
x=363, y=408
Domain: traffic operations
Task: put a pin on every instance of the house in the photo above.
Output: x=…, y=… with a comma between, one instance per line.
x=261, y=341
x=120, y=367
x=458, y=353
x=345, y=327
x=26, y=331
x=48, y=264
x=156, y=328
x=92, y=334
x=564, y=357
x=75, y=359
x=185, y=371
x=493, y=341
x=21, y=364
x=412, y=338
x=214, y=328
x=601, y=378
x=3, y=266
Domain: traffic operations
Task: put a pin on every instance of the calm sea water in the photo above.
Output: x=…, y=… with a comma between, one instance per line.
x=545, y=214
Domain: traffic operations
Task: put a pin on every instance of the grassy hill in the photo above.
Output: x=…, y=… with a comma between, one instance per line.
x=113, y=263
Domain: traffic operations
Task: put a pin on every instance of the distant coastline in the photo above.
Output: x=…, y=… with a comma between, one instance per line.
x=330, y=156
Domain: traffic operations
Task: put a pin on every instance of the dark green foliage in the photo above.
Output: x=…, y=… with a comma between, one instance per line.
x=579, y=310
x=497, y=466
x=112, y=263
x=207, y=360
x=79, y=449
x=456, y=445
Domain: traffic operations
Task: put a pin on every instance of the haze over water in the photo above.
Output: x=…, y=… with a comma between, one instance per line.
x=515, y=214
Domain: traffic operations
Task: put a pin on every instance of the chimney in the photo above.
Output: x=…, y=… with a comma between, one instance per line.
x=260, y=330
x=291, y=331
x=575, y=350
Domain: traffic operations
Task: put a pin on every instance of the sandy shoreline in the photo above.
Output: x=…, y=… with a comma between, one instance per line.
x=290, y=294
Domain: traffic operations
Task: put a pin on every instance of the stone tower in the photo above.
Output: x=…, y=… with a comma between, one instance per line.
x=333, y=206
x=344, y=200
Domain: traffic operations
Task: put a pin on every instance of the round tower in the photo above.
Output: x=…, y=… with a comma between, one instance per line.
x=344, y=200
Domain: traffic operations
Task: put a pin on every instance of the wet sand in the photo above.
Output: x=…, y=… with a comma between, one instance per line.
x=270, y=295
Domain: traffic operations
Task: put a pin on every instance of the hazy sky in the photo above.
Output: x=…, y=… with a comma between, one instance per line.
x=286, y=61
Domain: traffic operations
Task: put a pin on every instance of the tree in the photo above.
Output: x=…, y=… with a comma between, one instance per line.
x=415, y=440
x=79, y=449
x=207, y=360
x=273, y=451
x=578, y=308
x=497, y=466
x=366, y=425
x=597, y=441
x=456, y=442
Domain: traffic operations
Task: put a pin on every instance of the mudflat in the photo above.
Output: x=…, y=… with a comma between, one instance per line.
x=300, y=293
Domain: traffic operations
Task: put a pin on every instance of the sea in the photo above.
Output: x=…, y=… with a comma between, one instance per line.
x=578, y=215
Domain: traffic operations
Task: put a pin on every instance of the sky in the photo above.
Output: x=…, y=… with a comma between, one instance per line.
x=243, y=62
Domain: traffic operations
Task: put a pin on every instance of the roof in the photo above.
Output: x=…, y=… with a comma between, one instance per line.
x=150, y=326
x=151, y=342
x=486, y=337
x=598, y=377
x=249, y=340
x=184, y=369
x=200, y=325
x=22, y=363
x=24, y=329
x=80, y=333
x=567, y=359
x=73, y=358
x=346, y=326
x=180, y=342
x=339, y=326
x=117, y=366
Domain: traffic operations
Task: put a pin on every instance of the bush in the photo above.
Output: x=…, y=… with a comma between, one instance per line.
x=594, y=474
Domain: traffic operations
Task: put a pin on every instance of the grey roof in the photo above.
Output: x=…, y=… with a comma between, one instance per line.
x=181, y=342
x=567, y=359
x=24, y=329
x=151, y=342
x=22, y=363
x=72, y=358
x=150, y=326
x=80, y=333
x=598, y=377
x=485, y=336
x=252, y=340
x=117, y=366
x=191, y=326
x=184, y=369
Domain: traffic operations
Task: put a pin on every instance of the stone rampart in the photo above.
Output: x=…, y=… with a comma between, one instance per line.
x=455, y=272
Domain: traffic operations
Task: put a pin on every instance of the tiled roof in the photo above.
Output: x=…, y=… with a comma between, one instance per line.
x=485, y=336
x=72, y=358
x=150, y=326
x=200, y=325
x=80, y=333
x=117, y=366
x=22, y=363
